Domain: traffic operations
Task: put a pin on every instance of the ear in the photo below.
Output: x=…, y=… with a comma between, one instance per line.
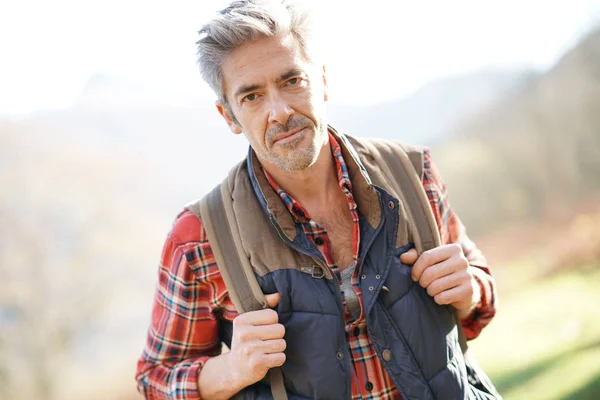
x=325, y=88
x=233, y=125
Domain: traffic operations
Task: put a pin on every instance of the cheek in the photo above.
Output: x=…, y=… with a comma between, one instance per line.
x=257, y=128
x=316, y=108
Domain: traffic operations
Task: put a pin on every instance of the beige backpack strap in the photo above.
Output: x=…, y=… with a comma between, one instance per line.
x=404, y=175
x=215, y=210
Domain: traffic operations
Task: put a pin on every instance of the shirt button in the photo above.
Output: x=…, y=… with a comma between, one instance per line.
x=391, y=204
x=319, y=241
x=387, y=355
x=369, y=386
x=356, y=331
x=340, y=355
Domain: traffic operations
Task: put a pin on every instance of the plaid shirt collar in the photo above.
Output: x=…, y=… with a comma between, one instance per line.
x=298, y=212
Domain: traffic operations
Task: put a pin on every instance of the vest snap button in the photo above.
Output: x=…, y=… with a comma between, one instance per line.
x=340, y=355
x=387, y=355
x=377, y=276
x=371, y=288
x=364, y=277
x=391, y=204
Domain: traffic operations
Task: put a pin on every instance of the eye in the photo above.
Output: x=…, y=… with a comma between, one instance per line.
x=250, y=97
x=293, y=81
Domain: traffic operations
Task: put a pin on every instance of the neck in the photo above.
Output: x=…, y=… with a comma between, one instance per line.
x=312, y=186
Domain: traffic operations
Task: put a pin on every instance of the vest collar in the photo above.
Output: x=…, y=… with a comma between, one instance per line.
x=365, y=194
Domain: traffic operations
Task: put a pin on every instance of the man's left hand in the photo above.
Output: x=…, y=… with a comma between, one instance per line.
x=447, y=276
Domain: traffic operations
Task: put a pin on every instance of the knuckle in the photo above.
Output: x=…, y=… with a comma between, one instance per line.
x=276, y=346
x=242, y=334
x=469, y=291
x=248, y=351
x=256, y=363
x=440, y=298
x=466, y=275
x=434, y=288
x=456, y=248
x=263, y=362
x=426, y=257
x=426, y=278
x=280, y=359
x=271, y=315
x=280, y=330
x=431, y=290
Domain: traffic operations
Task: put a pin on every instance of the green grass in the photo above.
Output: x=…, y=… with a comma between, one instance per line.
x=545, y=340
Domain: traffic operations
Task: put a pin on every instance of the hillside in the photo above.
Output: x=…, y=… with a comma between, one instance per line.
x=534, y=153
x=433, y=111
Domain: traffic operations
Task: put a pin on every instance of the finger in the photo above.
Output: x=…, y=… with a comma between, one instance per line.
x=268, y=332
x=274, y=360
x=431, y=257
x=272, y=299
x=447, y=282
x=439, y=270
x=260, y=317
x=273, y=346
x=409, y=257
x=457, y=294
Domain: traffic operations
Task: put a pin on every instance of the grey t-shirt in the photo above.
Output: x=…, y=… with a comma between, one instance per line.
x=352, y=302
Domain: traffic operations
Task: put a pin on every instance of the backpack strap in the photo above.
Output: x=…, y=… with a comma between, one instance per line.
x=216, y=214
x=215, y=210
x=405, y=174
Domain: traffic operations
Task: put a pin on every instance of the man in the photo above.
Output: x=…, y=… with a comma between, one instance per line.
x=334, y=338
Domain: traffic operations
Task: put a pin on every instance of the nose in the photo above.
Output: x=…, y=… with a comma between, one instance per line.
x=280, y=111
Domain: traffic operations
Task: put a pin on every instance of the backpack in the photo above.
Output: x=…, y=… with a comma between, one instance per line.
x=215, y=210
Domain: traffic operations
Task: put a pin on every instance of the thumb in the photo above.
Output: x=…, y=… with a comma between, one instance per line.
x=272, y=299
x=409, y=257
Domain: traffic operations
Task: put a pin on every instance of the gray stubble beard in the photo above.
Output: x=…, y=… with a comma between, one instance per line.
x=297, y=159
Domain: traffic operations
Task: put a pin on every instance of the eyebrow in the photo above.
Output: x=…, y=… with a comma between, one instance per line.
x=250, y=88
x=289, y=74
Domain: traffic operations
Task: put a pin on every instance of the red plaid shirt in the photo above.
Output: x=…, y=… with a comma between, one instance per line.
x=183, y=332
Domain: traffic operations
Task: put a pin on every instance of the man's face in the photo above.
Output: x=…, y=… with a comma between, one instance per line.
x=277, y=98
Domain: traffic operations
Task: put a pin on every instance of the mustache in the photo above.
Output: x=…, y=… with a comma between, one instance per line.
x=290, y=125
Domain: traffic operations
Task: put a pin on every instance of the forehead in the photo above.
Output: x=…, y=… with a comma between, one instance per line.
x=261, y=60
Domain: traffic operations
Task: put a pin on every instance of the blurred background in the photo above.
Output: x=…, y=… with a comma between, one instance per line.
x=106, y=131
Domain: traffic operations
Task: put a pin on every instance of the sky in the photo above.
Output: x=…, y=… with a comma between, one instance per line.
x=377, y=50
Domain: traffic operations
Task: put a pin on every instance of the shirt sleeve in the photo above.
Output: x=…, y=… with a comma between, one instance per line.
x=183, y=332
x=452, y=230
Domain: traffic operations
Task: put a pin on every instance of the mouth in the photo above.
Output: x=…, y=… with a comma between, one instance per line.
x=288, y=136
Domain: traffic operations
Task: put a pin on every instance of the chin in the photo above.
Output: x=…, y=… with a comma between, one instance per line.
x=298, y=160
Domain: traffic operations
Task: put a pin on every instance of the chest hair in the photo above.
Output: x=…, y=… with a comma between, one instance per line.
x=338, y=223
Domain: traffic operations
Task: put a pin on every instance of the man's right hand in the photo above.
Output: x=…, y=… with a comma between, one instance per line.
x=257, y=344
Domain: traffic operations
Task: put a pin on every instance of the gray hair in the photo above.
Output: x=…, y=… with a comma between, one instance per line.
x=246, y=20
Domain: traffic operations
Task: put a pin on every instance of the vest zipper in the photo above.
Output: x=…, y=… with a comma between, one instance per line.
x=338, y=294
x=366, y=248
